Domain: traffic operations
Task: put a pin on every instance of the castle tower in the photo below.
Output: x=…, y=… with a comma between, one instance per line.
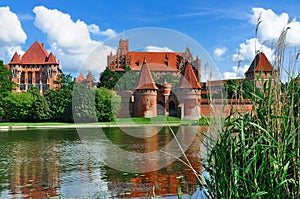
x=145, y=95
x=188, y=93
x=260, y=70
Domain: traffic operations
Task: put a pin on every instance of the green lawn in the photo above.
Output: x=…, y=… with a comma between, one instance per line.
x=133, y=120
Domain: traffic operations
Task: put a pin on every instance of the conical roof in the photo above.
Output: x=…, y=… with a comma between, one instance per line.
x=188, y=80
x=51, y=59
x=80, y=78
x=145, y=79
x=260, y=64
x=15, y=59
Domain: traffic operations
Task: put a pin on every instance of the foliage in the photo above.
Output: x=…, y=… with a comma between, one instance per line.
x=107, y=104
x=6, y=86
x=40, y=110
x=109, y=78
x=17, y=106
x=84, y=104
x=60, y=101
x=168, y=77
x=257, y=153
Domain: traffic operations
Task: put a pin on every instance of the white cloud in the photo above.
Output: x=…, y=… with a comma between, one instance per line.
x=272, y=25
x=94, y=29
x=11, y=30
x=70, y=40
x=157, y=49
x=247, y=51
x=237, y=72
x=218, y=52
x=12, y=35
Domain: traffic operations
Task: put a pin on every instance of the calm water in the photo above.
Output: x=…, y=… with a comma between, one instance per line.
x=58, y=163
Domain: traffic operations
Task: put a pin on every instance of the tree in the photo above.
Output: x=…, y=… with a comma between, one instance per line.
x=6, y=86
x=109, y=78
x=40, y=110
x=18, y=106
x=60, y=101
x=107, y=104
x=83, y=103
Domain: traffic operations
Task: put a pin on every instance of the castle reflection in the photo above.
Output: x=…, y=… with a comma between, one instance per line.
x=54, y=163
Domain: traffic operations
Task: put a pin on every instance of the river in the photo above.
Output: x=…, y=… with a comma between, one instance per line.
x=64, y=163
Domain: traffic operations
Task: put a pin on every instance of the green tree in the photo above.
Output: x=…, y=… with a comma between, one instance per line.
x=107, y=104
x=60, y=101
x=84, y=104
x=40, y=110
x=18, y=106
x=6, y=86
x=109, y=78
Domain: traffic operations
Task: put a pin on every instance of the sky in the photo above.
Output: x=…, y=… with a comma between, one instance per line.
x=225, y=30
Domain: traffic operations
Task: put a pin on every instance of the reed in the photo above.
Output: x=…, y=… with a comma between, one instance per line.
x=257, y=153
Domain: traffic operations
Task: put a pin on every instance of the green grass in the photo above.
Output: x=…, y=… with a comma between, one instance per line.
x=119, y=121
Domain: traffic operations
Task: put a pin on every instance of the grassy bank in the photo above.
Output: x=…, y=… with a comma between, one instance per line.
x=118, y=121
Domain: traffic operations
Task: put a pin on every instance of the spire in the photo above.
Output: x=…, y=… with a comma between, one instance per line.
x=15, y=59
x=145, y=79
x=260, y=64
x=145, y=61
x=188, y=80
x=51, y=58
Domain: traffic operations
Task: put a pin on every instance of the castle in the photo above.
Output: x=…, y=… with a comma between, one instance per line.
x=39, y=68
x=149, y=99
x=36, y=67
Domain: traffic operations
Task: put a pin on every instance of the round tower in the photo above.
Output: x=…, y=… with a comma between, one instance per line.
x=188, y=93
x=145, y=95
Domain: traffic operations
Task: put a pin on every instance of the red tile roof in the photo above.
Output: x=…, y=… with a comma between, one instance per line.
x=145, y=79
x=36, y=54
x=6, y=66
x=15, y=59
x=260, y=64
x=165, y=60
x=156, y=67
x=51, y=59
x=89, y=77
x=80, y=78
x=188, y=80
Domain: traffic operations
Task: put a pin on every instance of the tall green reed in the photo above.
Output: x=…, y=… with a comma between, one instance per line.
x=257, y=153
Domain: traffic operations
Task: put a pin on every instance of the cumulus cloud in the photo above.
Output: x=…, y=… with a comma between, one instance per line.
x=157, y=49
x=237, y=72
x=70, y=40
x=218, y=52
x=272, y=25
x=247, y=50
x=12, y=35
x=94, y=29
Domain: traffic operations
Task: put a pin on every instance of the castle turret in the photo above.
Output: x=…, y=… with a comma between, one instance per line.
x=188, y=93
x=261, y=70
x=145, y=95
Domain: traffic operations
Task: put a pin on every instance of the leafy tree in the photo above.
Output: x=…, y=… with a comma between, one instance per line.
x=107, y=104
x=6, y=86
x=18, y=106
x=40, y=110
x=60, y=101
x=109, y=78
x=65, y=81
x=232, y=88
x=84, y=104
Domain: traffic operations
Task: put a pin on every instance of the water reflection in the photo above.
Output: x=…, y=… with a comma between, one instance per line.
x=53, y=163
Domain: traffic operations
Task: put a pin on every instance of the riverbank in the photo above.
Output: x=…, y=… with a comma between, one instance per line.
x=120, y=122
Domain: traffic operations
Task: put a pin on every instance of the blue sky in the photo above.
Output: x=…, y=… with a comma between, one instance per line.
x=71, y=29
